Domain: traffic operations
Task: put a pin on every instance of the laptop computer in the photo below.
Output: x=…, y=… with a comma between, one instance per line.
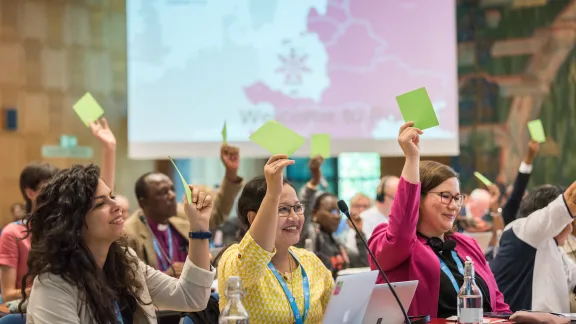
x=383, y=307
x=350, y=298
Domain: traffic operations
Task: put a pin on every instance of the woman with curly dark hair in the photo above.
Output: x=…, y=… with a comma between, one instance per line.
x=82, y=268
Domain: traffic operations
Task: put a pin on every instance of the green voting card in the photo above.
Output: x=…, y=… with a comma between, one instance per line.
x=88, y=109
x=537, y=131
x=416, y=106
x=483, y=179
x=184, y=183
x=224, y=134
x=277, y=138
x=320, y=145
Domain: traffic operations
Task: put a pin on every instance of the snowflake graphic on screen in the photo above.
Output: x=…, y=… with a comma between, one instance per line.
x=293, y=66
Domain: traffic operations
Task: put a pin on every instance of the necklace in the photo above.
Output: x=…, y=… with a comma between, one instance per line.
x=288, y=274
x=291, y=272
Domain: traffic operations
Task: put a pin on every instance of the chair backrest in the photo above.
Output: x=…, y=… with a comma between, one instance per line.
x=13, y=319
x=167, y=317
x=483, y=239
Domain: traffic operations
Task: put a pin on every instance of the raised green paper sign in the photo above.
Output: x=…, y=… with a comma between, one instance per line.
x=277, y=138
x=88, y=109
x=320, y=145
x=224, y=134
x=537, y=131
x=184, y=183
x=483, y=179
x=416, y=106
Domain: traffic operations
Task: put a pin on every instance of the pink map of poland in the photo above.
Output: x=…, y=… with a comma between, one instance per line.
x=376, y=50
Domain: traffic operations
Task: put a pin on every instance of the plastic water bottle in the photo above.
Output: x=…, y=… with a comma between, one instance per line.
x=234, y=312
x=470, y=310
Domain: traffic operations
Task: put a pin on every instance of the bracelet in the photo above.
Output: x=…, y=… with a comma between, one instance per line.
x=200, y=235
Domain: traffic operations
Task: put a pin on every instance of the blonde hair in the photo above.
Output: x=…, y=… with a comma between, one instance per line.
x=360, y=195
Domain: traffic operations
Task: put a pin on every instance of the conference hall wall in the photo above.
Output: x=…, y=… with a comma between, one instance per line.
x=51, y=53
x=516, y=63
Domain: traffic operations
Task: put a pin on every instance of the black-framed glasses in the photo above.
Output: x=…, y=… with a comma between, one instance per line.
x=284, y=211
x=446, y=198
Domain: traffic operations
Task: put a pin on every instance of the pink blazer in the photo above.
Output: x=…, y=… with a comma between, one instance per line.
x=405, y=256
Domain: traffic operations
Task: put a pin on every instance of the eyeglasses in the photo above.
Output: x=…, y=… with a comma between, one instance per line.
x=284, y=211
x=446, y=198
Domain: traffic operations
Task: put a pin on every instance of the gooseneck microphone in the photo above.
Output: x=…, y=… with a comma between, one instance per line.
x=143, y=220
x=344, y=209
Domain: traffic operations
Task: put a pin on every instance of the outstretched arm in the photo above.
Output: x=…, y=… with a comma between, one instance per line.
x=392, y=243
x=549, y=221
x=511, y=207
x=104, y=134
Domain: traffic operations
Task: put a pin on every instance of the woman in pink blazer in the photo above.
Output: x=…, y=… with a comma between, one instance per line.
x=419, y=236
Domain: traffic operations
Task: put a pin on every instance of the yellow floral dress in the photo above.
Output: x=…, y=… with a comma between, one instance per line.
x=265, y=300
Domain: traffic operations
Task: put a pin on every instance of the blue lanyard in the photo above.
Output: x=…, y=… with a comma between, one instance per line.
x=164, y=263
x=119, y=318
x=447, y=271
x=291, y=299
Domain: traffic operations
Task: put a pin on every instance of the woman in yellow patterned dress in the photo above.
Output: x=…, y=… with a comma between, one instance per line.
x=272, y=271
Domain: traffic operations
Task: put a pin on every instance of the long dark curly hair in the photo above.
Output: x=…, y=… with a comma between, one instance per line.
x=58, y=247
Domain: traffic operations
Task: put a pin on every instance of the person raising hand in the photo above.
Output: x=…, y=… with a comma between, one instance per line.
x=530, y=268
x=82, y=268
x=277, y=276
x=419, y=243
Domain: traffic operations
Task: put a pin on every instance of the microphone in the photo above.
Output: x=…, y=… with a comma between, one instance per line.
x=143, y=220
x=344, y=209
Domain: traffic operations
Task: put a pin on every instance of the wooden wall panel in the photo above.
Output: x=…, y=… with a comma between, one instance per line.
x=394, y=165
x=51, y=53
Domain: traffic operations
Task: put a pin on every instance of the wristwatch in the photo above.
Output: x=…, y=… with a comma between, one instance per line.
x=200, y=235
x=499, y=212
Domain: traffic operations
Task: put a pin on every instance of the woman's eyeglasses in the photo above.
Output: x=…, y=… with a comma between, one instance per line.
x=446, y=198
x=284, y=211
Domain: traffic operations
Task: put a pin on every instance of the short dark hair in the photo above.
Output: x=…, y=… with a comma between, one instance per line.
x=32, y=176
x=319, y=199
x=141, y=187
x=538, y=198
x=250, y=200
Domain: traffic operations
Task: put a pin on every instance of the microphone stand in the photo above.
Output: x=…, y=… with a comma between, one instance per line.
x=344, y=209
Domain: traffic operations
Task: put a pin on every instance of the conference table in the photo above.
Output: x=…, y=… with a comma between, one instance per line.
x=444, y=321
x=4, y=309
